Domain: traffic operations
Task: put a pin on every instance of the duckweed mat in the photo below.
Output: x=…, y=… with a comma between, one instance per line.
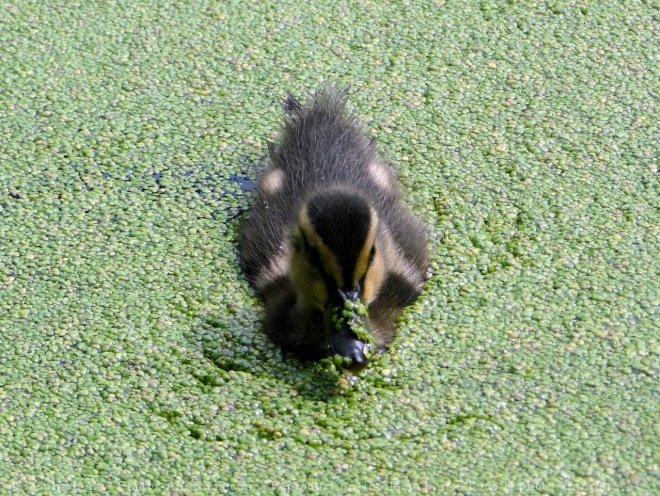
x=525, y=134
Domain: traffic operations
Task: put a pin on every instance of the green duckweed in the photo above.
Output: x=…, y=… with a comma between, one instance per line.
x=524, y=134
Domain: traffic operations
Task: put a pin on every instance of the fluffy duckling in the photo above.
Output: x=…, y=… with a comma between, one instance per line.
x=329, y=231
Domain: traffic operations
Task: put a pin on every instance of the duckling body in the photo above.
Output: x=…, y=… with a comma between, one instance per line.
x=328, y=227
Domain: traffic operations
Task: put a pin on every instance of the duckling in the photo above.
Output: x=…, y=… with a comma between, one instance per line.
x=328, y=230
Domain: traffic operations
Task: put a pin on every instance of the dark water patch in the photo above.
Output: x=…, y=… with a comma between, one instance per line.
x=246, y=184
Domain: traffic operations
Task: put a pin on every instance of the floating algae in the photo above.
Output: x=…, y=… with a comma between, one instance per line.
x=350, y=322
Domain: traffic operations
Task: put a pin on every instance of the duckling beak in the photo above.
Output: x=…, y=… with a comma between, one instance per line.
x=343, y=340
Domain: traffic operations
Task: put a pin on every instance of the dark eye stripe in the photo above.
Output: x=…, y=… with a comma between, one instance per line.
x=372, y=254
x=312, y=252
x=315, y=258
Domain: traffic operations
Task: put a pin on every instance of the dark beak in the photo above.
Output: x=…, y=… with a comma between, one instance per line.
x=341, y=326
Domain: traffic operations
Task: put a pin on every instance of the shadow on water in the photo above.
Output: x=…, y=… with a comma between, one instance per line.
x=231, y=360
x=235, y=343
x=232, y=340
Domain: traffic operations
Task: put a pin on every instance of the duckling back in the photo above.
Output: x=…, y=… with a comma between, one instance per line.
x=321, y=144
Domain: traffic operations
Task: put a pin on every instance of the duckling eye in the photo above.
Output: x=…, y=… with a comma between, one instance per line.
x=314, y=257
x=372, y=254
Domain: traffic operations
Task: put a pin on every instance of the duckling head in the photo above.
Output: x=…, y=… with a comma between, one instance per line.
x=336, y=265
